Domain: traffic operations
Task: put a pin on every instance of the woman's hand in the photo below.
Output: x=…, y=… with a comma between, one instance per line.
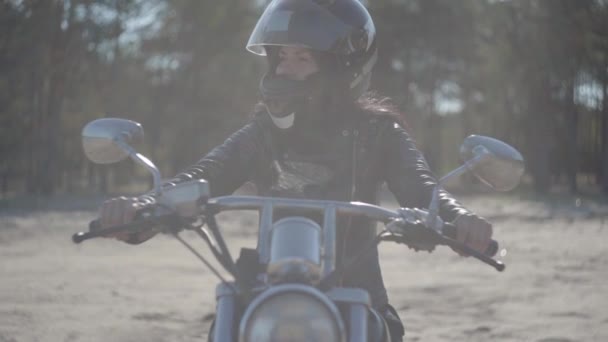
x=473, y=231
x=120, y=211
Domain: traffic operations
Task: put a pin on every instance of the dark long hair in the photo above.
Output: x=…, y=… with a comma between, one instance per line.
x=382, y=106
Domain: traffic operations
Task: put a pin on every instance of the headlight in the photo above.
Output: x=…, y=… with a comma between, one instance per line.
x=292, y=313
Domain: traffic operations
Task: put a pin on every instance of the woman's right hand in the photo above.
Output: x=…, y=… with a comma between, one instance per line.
x=120, y=211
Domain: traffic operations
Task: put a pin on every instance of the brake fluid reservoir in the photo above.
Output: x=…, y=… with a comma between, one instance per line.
x=295, y=251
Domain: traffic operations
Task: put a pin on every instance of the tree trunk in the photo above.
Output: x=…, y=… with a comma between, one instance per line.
x=103, y=180
x=571, y=135
x=48, y=86
x=539, y=133
x=604, y=166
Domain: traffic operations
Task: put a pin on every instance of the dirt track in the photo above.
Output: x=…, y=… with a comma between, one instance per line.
x=555, y=287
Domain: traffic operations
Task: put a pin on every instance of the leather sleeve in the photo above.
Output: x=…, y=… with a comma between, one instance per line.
x=408, y=175
x=226, y=167
x=231, y=164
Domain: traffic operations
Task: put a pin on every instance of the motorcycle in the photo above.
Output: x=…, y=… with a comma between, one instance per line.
x=285, y=289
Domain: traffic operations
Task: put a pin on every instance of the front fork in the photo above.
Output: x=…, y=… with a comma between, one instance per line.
x=225, y=326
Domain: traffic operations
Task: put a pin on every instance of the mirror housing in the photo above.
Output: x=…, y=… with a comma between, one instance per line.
x=102, y=138
x=108, y=140
x=493, y=162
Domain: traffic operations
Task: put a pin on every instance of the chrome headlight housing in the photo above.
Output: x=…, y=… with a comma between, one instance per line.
x=295, y=251
x=291, y=313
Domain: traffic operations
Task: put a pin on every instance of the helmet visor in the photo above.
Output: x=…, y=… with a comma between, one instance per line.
x=308, y=24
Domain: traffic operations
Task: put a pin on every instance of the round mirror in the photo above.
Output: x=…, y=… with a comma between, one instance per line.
x=494, y=162
x=101, y=139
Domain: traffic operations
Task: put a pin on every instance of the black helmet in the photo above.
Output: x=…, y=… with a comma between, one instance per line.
x=343, y=30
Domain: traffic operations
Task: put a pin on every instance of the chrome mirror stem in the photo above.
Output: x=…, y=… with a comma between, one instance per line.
x=469, y=165
x=145, y=162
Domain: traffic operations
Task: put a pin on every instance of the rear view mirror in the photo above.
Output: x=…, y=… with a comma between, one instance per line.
x=108, y=140
x=493, y=162
x=102, y=139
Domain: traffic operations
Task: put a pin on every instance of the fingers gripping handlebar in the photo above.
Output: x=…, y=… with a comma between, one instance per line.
x=180, y=200
x=449, y=230
x=95, y=230
x=419, y=237
x=143, y=223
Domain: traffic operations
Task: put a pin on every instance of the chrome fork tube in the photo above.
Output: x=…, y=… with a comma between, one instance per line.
x=225, y=314
x=264, y=233
x=357, y=330
x=329, y=240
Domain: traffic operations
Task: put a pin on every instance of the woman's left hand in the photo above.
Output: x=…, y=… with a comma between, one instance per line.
x=474, y=231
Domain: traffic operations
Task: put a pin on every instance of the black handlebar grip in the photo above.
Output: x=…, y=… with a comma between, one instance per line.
x=94, y=226
x=450, y=231
x=96, y=230
x=79, y=237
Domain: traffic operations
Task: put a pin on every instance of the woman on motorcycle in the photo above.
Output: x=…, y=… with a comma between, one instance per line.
x=317, y=134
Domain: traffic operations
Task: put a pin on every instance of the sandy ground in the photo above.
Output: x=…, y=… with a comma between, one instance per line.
x=554, y=289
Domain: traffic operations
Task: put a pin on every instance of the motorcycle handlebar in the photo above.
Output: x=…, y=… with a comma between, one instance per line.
x=374, y=212
x=342, y=208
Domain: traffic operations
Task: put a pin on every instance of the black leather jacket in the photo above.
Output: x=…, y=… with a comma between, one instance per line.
x=346, y=161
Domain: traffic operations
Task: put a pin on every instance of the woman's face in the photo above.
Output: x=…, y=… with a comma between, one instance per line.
x=296, y=63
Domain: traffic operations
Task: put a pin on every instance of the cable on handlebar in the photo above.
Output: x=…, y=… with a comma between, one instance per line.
x=204, y=234
x=225, y=259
